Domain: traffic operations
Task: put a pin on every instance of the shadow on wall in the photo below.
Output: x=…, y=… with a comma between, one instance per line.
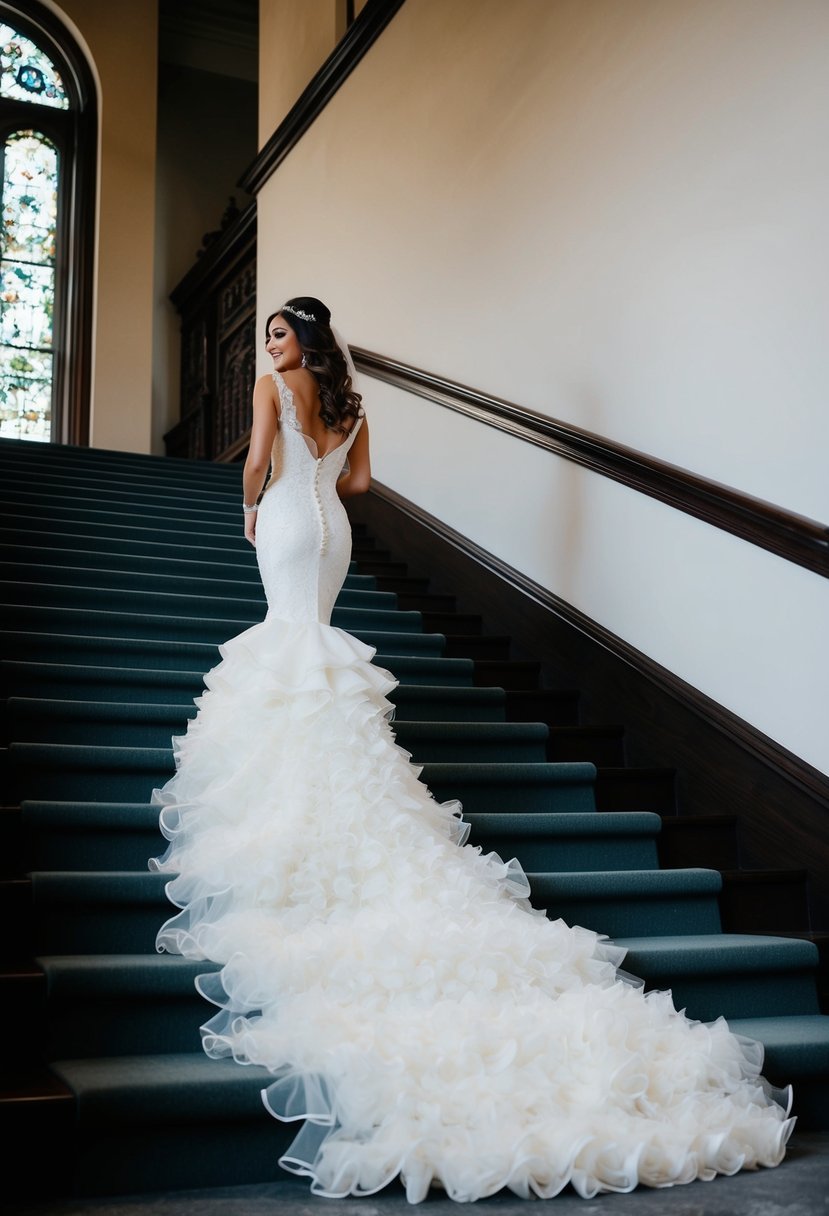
x=568, y=504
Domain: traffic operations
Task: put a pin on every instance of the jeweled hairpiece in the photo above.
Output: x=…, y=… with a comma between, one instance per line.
x=303, y=316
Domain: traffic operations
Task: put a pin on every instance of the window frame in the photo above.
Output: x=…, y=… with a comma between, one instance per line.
x=74, y=131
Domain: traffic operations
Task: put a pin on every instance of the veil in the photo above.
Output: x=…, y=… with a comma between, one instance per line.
x=349, y=361
x=352, y=371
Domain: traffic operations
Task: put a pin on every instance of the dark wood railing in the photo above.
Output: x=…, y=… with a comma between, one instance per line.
x=216, y=423
x=795, y=537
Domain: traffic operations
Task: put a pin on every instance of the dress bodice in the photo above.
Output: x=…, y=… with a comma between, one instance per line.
x=303, y=537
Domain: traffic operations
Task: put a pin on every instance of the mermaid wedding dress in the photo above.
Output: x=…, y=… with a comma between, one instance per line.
x=418, y=1015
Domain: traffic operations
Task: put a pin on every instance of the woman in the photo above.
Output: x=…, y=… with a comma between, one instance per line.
x=421, y=1017
x=324, y=404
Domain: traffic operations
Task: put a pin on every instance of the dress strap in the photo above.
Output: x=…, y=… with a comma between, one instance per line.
x=286, y=396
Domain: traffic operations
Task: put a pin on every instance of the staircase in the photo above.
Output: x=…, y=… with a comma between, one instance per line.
x=120, y=575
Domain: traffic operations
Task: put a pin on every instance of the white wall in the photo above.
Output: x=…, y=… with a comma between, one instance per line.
x=730, y=618
x=613, y=213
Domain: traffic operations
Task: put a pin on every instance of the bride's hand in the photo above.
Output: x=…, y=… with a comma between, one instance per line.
x=250, y=528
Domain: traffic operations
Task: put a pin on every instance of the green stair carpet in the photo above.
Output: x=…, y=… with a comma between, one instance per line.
x=119, y=577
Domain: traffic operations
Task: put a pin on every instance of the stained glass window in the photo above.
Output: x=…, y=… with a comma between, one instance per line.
x=26, y=74
x=31, y=143
x=27, y=285
x=48, y=137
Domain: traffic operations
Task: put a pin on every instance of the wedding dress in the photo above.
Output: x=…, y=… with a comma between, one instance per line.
x=418, y=1015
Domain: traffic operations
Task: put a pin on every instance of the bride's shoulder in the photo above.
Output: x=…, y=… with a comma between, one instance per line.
x=266, y=387
x=265, y=393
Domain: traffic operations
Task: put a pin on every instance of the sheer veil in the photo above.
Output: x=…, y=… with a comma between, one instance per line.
x=344, y=347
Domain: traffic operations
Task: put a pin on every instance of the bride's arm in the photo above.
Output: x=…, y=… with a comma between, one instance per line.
x=258, y=460
x=358, y=478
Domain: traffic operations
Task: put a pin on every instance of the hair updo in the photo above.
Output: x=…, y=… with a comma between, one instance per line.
x=323, y=358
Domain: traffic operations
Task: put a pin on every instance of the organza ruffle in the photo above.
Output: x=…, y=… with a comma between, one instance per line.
x=417, y=1013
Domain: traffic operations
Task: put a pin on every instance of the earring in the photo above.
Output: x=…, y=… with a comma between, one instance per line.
x=303, y=361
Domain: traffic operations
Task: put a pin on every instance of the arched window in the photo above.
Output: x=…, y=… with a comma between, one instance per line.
x=48, y=134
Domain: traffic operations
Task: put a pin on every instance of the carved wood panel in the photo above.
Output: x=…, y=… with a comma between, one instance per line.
x=216, y=300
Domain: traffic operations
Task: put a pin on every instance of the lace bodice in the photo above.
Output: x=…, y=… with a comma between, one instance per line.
x=303, y=537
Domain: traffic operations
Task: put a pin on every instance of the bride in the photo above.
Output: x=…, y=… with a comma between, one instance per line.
x=420, y=1018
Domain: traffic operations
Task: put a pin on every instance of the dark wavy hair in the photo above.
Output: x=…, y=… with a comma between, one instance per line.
x=323, y=359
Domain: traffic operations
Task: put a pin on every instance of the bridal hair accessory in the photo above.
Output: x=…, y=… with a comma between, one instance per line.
x=303, y=316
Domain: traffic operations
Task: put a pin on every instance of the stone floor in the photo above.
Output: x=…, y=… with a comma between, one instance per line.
x=798, y=1187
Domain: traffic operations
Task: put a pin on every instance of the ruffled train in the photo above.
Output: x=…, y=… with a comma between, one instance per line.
x=417, y=1013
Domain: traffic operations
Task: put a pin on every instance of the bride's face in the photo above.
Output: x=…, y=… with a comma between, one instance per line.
x=282, y=346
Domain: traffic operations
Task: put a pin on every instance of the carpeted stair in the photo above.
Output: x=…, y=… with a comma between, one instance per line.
x=119, y=575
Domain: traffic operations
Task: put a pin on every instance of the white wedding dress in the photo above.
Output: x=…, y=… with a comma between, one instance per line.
x=417, y=1014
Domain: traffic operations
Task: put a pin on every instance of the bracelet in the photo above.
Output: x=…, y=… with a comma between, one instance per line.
x=249, y=510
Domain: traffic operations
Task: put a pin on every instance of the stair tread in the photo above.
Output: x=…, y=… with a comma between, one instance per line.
x=78, y=583
x=797, y=1046
x=244, y=571
x=539, y=770
x=161, y=1072
x=221, y=627
x=204, y=650
x=721, y=952
x=610, y=884
x=162, y=601
x=514, y=770
x=137, y=976
x=586, y=730
x=36, y=1085
x=761, y=877
x=631, y=771
x=563, y=823
x=162, y=711
x=685, y=820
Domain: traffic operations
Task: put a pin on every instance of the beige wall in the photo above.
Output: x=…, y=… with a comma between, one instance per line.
x=615, y=214
x=121, y=43
x=295, y=39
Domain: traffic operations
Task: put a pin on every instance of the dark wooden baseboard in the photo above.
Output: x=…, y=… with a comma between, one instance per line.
x=723, y=764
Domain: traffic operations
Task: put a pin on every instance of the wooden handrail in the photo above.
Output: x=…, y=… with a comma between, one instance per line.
x=797, y=538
